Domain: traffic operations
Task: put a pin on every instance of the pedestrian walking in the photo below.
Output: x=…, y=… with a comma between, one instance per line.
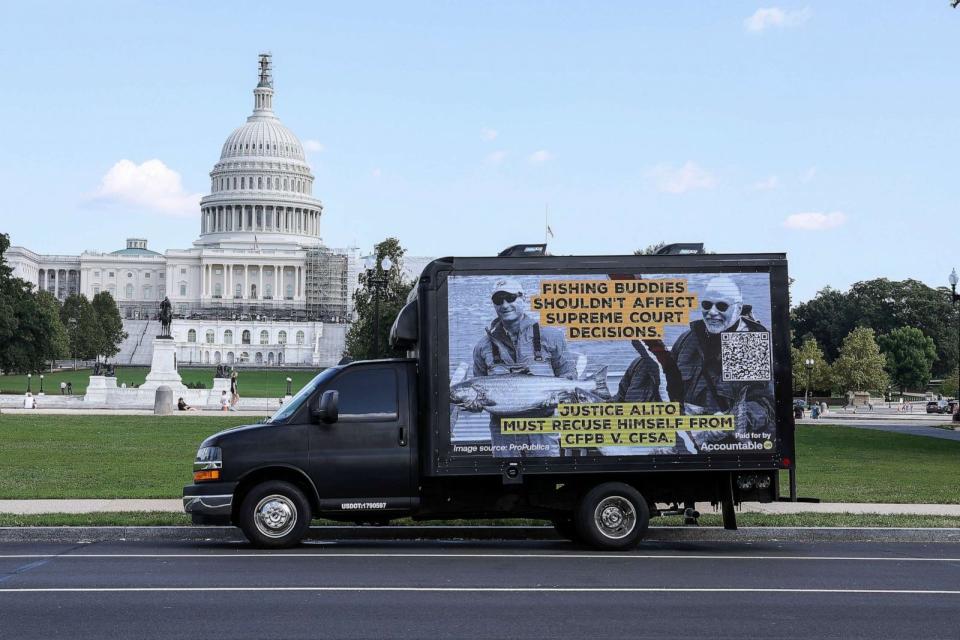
x=69, y=388
x=234, y=392
x=63, y=387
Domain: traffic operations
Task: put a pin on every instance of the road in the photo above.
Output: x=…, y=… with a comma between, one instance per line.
x=479, y=590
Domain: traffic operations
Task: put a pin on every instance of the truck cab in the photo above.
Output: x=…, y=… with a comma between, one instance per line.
x=344, y=447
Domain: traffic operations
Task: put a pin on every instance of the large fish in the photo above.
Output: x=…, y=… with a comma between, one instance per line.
x=513, y=393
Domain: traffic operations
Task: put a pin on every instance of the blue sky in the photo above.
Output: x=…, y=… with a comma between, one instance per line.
x=828, y=130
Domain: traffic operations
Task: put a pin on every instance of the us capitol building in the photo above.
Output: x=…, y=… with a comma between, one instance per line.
x=258, y=286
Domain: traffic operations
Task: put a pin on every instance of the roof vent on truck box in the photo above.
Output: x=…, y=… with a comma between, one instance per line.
x=680, y=249
x=523, y=251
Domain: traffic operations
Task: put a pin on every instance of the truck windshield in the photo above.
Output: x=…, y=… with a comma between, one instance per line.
x=290, y=408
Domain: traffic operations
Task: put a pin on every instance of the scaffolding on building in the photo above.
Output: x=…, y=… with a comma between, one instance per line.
x=326, y=277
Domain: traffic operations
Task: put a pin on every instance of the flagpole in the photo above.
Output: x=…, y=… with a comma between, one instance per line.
x=546, y=221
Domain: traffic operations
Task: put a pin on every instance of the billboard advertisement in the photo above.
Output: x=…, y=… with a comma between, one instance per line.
x=610, y=365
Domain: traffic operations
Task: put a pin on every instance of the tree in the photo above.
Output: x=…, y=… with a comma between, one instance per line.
x=910, y=356
x=48, y=309
x=30, y=329
x=860, y=365
x=83, y=328
x=650, y=249
x=828, y=317
x=883, y=305
x=360, y=343
x=949, y=386
x=111, y=325
x=820, y=375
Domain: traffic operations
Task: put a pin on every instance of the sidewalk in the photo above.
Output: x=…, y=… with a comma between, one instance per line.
x=25, y=507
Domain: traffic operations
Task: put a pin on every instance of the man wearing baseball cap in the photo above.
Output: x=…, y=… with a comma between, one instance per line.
x=516, y=343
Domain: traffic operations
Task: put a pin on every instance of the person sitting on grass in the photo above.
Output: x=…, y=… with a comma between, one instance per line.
x=183, y=406
x=224, y=401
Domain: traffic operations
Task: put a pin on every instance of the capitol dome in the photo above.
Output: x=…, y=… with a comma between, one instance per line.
x=261, y=189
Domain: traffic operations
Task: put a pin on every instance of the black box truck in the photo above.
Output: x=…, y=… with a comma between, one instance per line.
x=593, y=391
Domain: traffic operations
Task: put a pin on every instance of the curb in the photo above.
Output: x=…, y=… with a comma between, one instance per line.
x=78, y=535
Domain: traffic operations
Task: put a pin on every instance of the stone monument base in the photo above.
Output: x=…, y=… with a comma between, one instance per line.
x=163, y=369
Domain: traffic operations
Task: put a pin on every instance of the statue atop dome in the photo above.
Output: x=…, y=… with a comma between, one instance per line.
x=266, y=80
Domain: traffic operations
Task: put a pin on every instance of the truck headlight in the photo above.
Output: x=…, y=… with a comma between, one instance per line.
x=208, y=463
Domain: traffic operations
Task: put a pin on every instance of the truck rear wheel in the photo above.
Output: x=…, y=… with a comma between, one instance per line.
x=274, y=515
x=612, y=516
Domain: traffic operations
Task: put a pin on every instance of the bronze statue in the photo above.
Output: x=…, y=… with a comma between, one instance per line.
x=166, y=318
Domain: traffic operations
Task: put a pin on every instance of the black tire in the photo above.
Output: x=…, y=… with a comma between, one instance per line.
x=566, y=528
x=612, y=516
x=274, y=515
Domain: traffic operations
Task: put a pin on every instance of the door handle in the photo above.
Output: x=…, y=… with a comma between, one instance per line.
x=403, y=437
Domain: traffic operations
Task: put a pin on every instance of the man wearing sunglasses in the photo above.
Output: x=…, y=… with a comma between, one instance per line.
x=516, y=343
x=698, y=356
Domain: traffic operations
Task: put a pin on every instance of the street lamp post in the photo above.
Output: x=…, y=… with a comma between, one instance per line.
x=289, y=380
x=377, y=279
x=955, y=297
x=808, y=363
x=29, y=375
x=41, y=384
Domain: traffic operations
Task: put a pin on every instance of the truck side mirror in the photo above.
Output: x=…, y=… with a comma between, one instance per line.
x=328, y=407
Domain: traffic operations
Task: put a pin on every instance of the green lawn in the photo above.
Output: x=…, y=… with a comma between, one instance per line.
x=844, y=464
x=101, y=456
x=150, y=457
x=255, y=384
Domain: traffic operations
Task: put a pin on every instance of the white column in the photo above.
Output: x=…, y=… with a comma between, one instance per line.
x=260, y=286
x=276, y=281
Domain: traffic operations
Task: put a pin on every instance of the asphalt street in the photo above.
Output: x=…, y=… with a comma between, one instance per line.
x=479, y=590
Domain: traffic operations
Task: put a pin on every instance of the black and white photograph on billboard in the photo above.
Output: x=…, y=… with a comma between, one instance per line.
x=610, y=365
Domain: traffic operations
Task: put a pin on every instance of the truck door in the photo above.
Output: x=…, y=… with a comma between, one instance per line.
x=365, y=460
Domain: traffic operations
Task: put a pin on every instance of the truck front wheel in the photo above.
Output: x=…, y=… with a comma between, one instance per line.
x=274, y=515
x=612, y=516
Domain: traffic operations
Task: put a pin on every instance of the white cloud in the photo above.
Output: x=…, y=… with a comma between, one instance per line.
x=489, y=134
x=689, y=177
x=813, y=221
x=539, y=157
x=496, y=157
x=808, y=175
x=376, y=173
x=151, y=185
x=775, y=17
x=767, y=184
x=313, y=146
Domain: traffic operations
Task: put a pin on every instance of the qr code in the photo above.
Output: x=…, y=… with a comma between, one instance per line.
x=745, y=356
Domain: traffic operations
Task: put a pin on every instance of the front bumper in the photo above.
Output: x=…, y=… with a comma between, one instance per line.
x=210, y=500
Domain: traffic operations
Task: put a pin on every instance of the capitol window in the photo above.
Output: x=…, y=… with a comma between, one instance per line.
x=129, y=291
x=243, y=182
x=182, y=271
x=245, y=337
x=228, y=337
x=111, y=274
x=183, y=288
x=96, y=274
x=300, y=337
x=264, y=337
x=96, y=290
x=129, y=274
x=282, y=337
x=192, y=335
x=146, y=275
x=210, y=336
x=259, y=183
